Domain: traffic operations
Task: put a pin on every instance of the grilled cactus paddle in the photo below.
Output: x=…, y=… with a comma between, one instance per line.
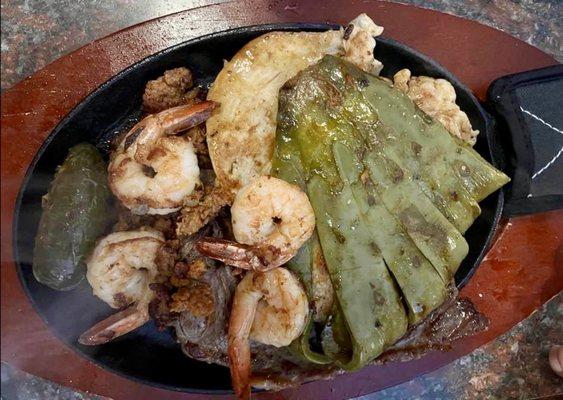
x=422, y=287
x=321, y=124
x=400, y=189
x=286, y=165
x=368, y=300
x=76, y=211
x=368, y=304
x=392, y=193
x=404, y=124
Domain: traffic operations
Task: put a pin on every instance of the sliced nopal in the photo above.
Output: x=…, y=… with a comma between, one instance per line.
x=406, y=153
x=392, y=194
x=286, y=165
x=400, y=187
x=302, y=265
x=395, y=110
x=422, y=287
x=417, y=143
x=440, y=242
x=366, y=294
x=368, y=302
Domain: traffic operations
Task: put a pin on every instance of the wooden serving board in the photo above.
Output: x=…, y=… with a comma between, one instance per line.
x=522, y=270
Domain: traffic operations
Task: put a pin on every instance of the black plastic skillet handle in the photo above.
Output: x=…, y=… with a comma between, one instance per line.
x=528, y=112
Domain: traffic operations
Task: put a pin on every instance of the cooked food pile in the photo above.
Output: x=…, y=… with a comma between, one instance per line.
x=313, y=225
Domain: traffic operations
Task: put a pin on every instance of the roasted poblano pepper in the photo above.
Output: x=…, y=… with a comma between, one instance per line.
x=76, y=211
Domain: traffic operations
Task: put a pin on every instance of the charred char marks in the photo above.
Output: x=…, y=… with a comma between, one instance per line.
x=334, y=97
x=374, y=248
x=378, y=298
x=398, y=175
x=339, y=236
x=363, y=83
x=348, y=31
x=464, y=170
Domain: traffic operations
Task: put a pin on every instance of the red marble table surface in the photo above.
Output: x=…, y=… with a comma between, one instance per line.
x=521, y=271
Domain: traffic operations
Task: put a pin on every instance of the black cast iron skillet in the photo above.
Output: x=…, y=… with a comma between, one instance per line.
x=146, y=354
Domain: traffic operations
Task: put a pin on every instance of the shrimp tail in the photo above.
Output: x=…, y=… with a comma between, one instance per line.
x=168, y=122
x=181, y=118
x=232, y=253
x=239, y=363
x=114, y=326
x=240, y=325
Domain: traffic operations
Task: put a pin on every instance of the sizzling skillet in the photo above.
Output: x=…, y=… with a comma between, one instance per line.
x=119, y=100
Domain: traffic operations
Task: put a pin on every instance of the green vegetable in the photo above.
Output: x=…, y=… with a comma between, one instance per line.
x=302, y=265
x=368, y=305
x=336, y=341
x=392, y=193
x=422, y=287
x=368, y=301
x=76, y=211
x=317, y=131
x=431, y=232
x=287, y=166
x=400, y=191
x=423, y=144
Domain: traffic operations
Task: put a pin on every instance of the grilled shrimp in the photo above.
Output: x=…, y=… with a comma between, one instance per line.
x=120, y=270
x=151, y=172
x=271, y=220
x=269, y=307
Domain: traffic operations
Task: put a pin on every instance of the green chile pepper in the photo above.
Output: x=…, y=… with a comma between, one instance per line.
x=76, y=211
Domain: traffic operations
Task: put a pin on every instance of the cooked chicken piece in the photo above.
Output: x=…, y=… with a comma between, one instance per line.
x=241, y=132
x=172, y=89
x=436, y=97
x=358, y=43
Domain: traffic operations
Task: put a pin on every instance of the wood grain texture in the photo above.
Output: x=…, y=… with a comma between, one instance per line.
x=520, y=272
